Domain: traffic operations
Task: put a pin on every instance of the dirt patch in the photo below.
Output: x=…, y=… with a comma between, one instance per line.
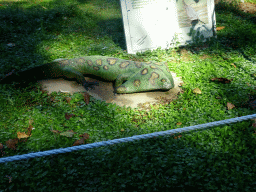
x=248, y=7
x=105, y=92
x=245, y=7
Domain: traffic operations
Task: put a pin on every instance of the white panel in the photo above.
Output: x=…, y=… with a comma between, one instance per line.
x=150, y=24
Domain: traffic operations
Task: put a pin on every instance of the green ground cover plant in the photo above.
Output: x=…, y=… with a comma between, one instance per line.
x=222, y=71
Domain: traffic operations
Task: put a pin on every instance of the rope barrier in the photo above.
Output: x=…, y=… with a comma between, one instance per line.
x=123, y=140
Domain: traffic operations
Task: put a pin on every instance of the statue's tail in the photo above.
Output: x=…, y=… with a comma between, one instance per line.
x=30, y=75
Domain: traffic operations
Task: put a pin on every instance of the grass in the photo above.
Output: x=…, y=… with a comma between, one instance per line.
x=217, y=159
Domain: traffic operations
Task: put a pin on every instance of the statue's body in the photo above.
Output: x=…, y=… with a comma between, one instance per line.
x=129, y=76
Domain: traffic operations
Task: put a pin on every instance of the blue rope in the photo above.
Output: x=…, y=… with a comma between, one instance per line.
x=122, y=140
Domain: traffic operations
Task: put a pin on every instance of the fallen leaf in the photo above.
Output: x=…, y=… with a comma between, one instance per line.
x=181, y=84
x=52, y=99
x=22, y=135
x=179, y=123
x=221, y=80
x=233, y=64
x=85, y=136
x=79, y=142
x=55, y=131
x=68, y=133
x=11, y=143
x=197, y=91
x=68, y=99
x=86, y=98
x=176, y=137
x=30, y=128
x=230, y=105
x=68, y=116
x=219, y=28
x=9, y=177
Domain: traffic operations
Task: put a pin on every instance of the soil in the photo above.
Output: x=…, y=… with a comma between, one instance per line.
x=245, y=7
x=105, y=92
